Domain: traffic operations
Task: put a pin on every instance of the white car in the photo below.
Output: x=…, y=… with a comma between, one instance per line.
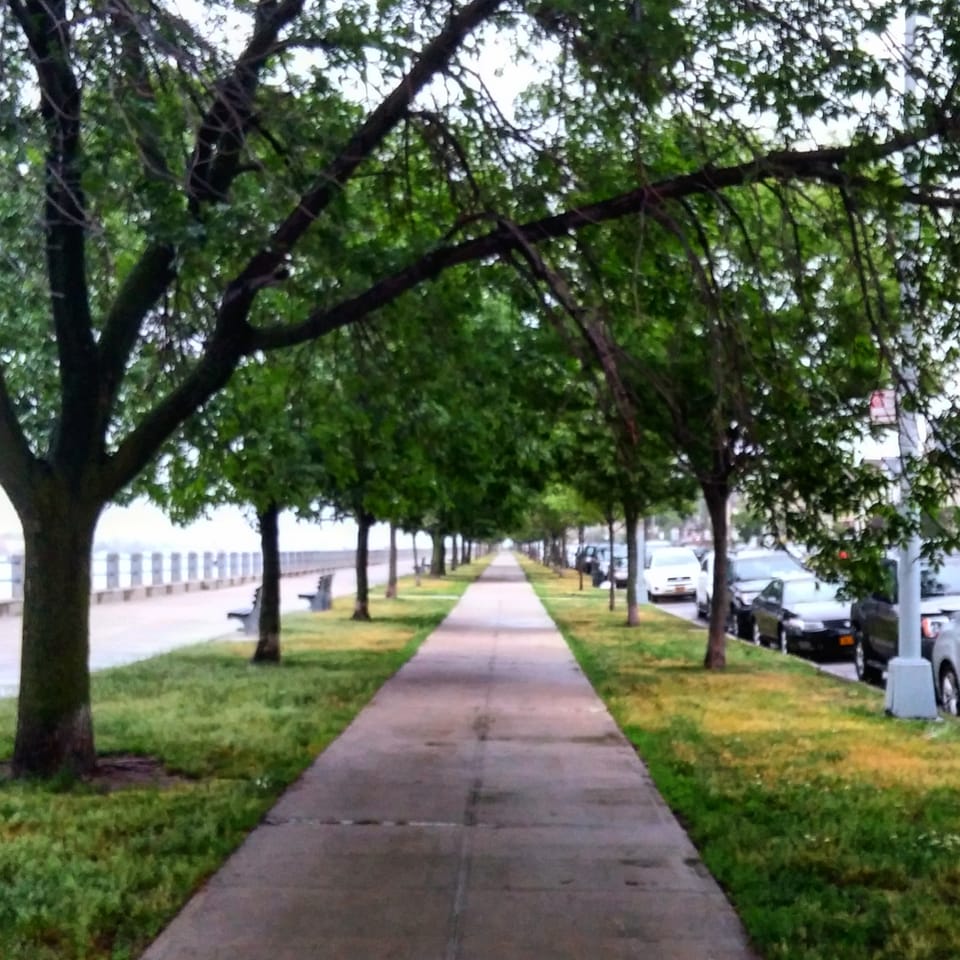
x=671, y=572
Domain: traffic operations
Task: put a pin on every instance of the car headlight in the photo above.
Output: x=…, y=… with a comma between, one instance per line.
x=803, y=626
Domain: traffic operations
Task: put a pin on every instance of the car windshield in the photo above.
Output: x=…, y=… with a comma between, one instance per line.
x=673, y=558
x=941, y=581
x=759, y=568
x=808, y=591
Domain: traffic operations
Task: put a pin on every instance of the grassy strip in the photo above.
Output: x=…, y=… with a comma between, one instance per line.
x=834, y=829
x=87, y=874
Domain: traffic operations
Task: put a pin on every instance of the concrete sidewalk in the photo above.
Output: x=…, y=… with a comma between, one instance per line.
x=484, y=806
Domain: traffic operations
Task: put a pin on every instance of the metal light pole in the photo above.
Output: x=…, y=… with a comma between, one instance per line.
x=910, y=692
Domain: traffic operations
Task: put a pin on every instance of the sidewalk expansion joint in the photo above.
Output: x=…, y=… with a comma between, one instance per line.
x=360, y=822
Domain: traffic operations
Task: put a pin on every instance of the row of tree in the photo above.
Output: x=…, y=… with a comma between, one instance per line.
x=701, y=200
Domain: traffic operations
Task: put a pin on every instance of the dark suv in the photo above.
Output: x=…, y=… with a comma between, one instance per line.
x=876, y=622
x=590, y=557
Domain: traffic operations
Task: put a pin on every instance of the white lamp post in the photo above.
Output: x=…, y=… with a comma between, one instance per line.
x=910, y=692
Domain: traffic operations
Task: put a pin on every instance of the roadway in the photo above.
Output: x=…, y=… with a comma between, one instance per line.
x=123, y=632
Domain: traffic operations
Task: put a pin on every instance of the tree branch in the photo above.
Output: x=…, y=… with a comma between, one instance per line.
x=16, y=459
x=210, y=175
x=45, y=25
x=382, y=121
x=223, y=131
x=778, y=166
x=211, y=373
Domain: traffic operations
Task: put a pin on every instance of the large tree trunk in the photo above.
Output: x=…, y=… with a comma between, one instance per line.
x=634, y=574
x=268, y=644
x=454, y=554
x=391, y=593
x=715, y=496
x=438, y=562
x=54, y=722
x=361, y=610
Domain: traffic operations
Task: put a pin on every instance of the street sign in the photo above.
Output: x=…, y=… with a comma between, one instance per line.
x=883, y=407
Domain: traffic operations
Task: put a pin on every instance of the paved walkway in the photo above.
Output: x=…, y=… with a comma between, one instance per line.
x=123, y=632
x=484, y=806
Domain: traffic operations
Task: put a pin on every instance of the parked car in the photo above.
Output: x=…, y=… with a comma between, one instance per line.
x=876, y=620
x=590, y=556
x=802, y=613
x=671, y=572
x=699, y=549
x=946, y=667
x=748, y=572
x=615, y=570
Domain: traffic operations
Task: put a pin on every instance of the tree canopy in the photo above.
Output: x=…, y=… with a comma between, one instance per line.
x=180, y=197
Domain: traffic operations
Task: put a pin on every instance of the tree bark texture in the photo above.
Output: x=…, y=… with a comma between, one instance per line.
x=391, y=593
x=268, y=643
x=54, y=721
x=361, y=610
x=438, y=562
x=716, y=496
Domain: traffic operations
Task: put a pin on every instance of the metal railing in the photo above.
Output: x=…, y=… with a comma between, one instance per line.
x=125, y=576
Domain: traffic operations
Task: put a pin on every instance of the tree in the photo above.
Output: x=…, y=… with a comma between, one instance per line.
x=252, y=446
x=166, y=256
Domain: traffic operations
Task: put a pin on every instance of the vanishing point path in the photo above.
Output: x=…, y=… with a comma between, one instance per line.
x=484, y=806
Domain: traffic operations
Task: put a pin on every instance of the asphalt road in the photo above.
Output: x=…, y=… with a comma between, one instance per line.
x=687, y=610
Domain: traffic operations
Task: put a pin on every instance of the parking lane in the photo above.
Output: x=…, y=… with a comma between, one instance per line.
x=687, y=610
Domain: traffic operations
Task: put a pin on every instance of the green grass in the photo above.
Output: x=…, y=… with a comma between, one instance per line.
x=834, y=829
x=88, y=874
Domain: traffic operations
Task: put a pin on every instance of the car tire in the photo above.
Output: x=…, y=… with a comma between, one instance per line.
x=744, y=625
x=949, y=690
x=757, y=639
x=784, y=640
x=651, y=598
x=865, y=672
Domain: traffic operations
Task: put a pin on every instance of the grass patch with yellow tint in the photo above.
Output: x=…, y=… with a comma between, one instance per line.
x=88, y=875
x=834, y=829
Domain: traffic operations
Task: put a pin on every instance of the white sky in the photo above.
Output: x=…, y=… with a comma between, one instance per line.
x=144, y=526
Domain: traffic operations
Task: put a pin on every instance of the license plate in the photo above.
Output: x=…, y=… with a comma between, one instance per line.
x=846, y=640
x=679, y=589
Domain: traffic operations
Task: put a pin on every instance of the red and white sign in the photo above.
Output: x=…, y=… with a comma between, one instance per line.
x=883, y=407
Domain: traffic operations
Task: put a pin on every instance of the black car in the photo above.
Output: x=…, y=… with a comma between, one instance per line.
x=616, y=570
x=876, y=619
x=590, y=557
x=802, y=613
x=748, y=572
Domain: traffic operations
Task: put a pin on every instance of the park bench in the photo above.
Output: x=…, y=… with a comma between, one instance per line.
x=249, y=617
x=322, y=598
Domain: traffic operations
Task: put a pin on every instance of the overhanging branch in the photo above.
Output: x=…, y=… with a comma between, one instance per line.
x=823, y=166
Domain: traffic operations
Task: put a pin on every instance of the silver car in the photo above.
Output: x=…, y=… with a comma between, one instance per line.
x=946, y=667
